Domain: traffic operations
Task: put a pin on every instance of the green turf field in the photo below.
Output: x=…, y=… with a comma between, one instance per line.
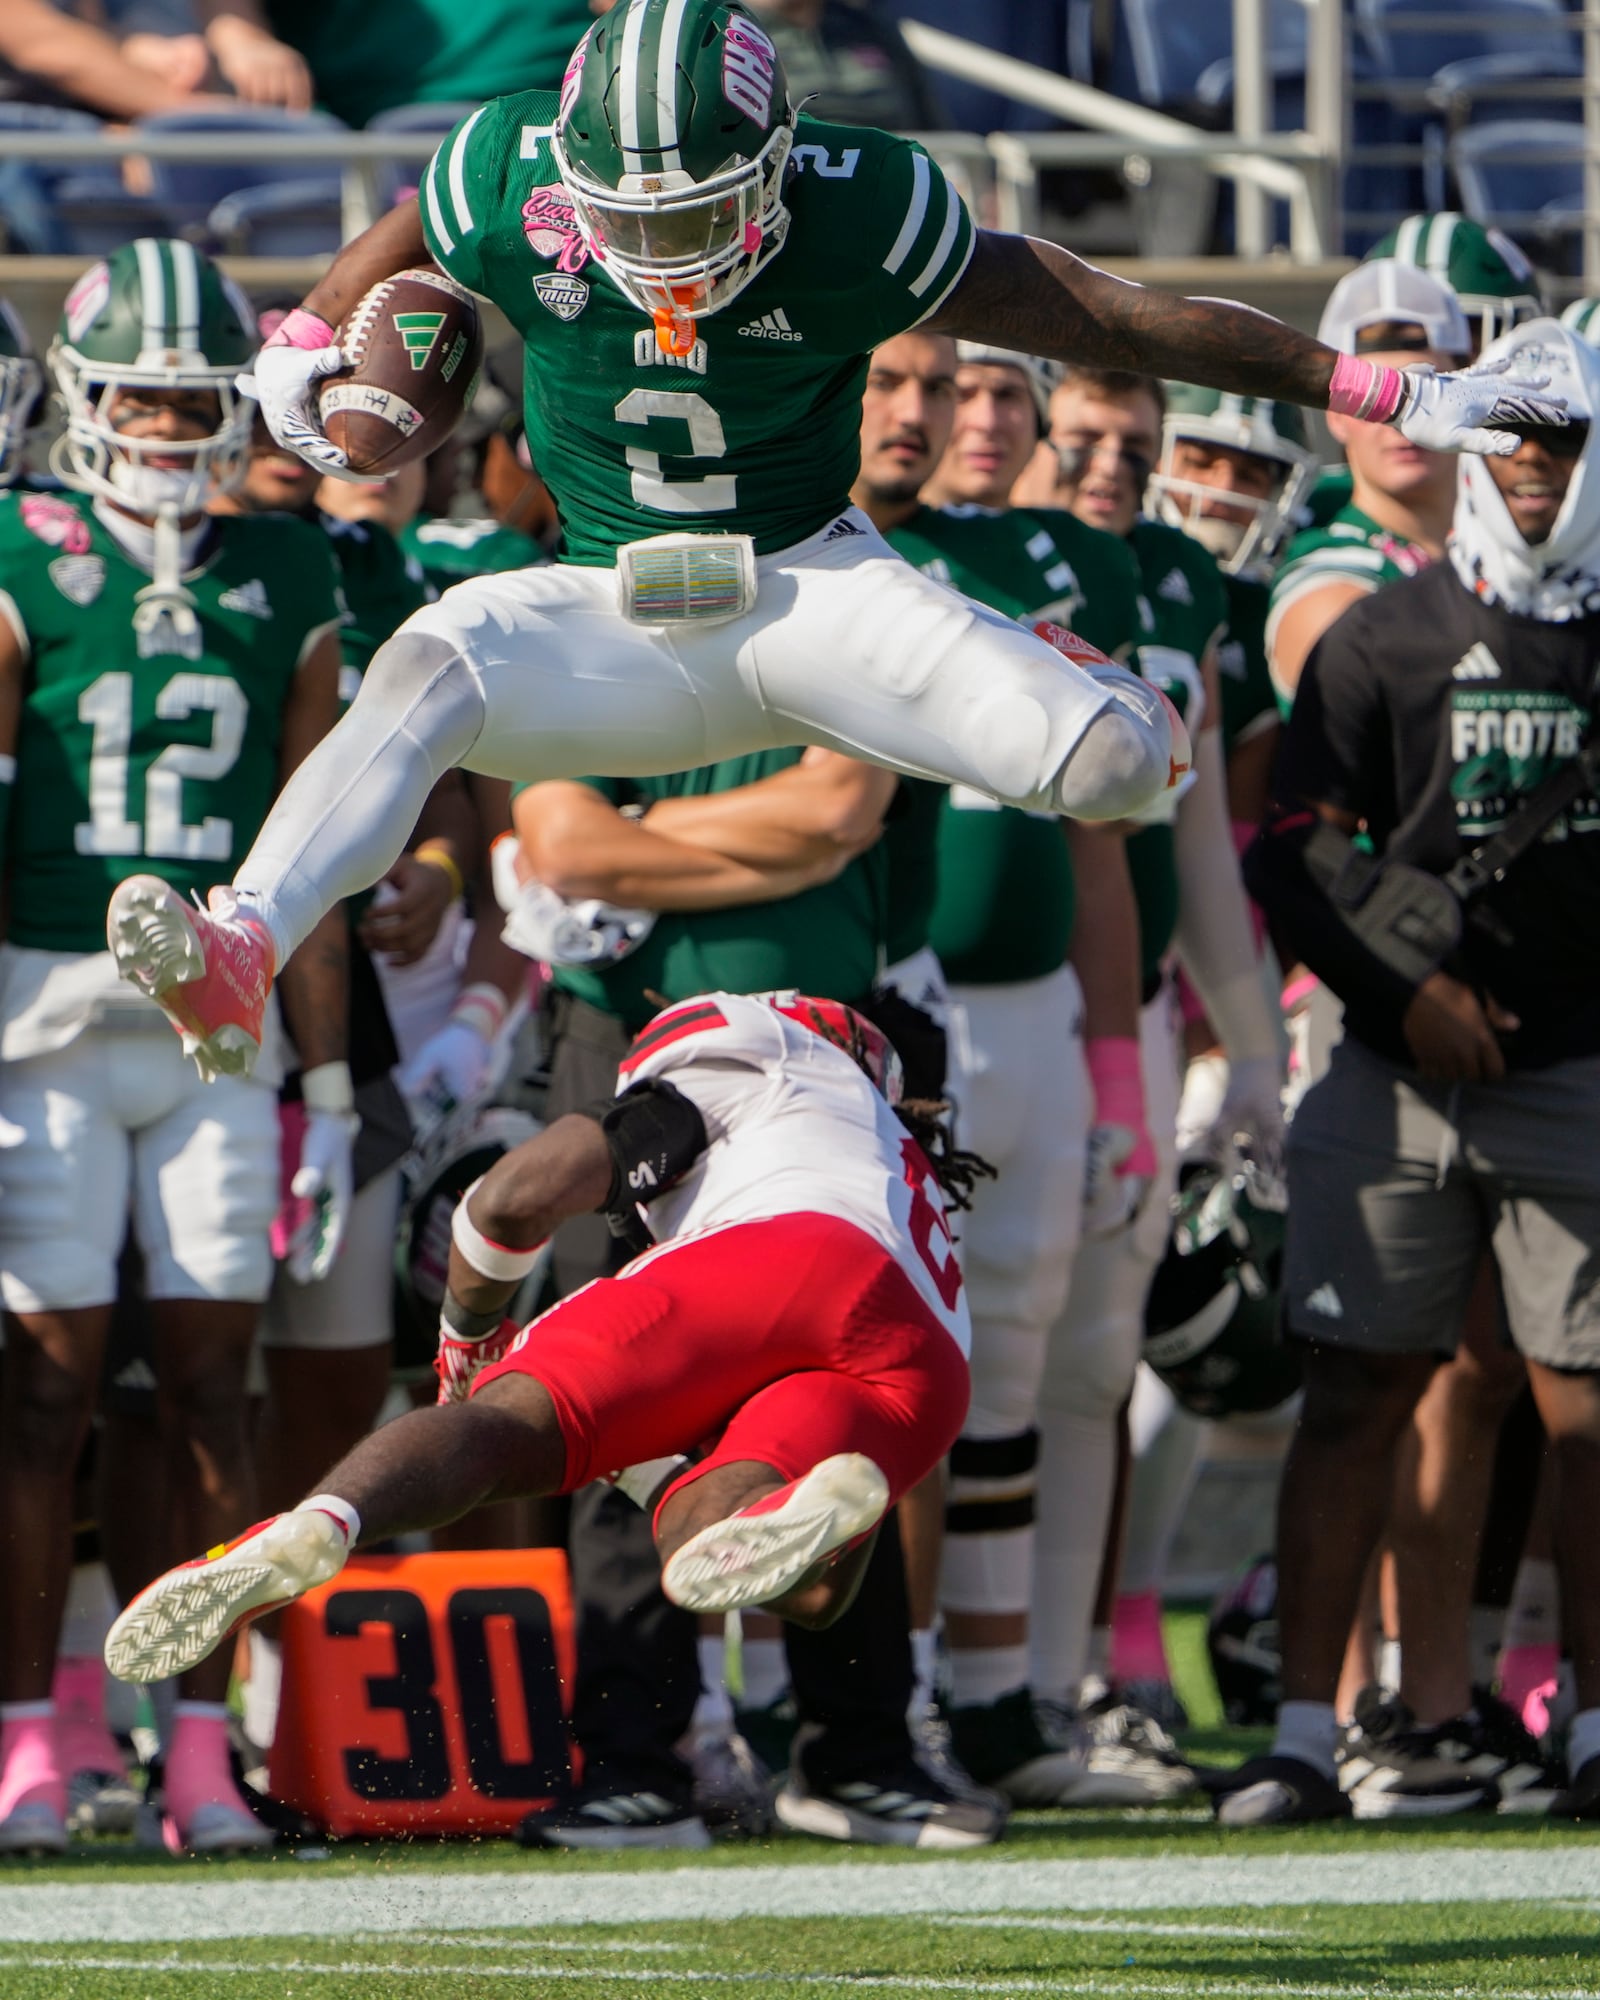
x=1131, y=1906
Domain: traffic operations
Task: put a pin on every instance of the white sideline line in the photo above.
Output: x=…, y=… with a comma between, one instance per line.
x=1117, y=1925
x=538, y=1897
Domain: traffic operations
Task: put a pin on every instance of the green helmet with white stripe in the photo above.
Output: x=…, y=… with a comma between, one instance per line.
x=673, y=141
x=1494, y=281
x=157, y=314
x=1583, y=316
x=21, y=386
x=1243, y=530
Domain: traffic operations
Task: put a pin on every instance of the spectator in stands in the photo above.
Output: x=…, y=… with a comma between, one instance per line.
x=368, y=59
x=224, y=42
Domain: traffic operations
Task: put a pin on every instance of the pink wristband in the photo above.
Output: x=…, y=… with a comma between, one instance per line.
x=1118, y=1081
x=1365, y=389
x=301, y=329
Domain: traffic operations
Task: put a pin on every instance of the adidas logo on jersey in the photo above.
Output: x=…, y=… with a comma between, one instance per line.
x=648, y=353
x=771, y=326
x=1476, y=664
x=1175, y=588
x=1326, y=1301
x=250, y=598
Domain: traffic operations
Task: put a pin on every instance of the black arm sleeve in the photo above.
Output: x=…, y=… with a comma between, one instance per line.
x=654, y=1135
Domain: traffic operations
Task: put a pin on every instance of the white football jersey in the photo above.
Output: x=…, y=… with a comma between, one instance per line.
x=794, y=1127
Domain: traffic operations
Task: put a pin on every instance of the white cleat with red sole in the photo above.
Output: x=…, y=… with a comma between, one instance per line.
x=209, y=971
x=765, y=1549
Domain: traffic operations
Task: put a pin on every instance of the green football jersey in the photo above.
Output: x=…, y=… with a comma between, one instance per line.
x=1329, y=495
x=756, y=430
x=132, y=760
x=826, y=940
x=382, y=586
x=1002, y=896
x=1350, y=548
x=1249, y=704
x=449, y=551
x=1189, y=607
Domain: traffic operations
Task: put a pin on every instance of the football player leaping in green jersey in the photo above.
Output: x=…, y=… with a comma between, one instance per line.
x=699, y=275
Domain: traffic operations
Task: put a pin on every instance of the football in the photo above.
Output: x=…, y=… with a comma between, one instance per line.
x=413, y=347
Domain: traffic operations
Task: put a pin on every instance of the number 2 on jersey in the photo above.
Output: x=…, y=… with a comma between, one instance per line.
x=106, y=705
x=714, y=494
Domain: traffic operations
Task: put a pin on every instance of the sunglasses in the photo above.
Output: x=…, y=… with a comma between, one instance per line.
x=1560, y=440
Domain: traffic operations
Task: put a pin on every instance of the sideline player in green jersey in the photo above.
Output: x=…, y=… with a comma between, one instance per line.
x=692, y=264
x=1003, y=923
x=162, y=673
x=1401, y=499
x=1106, y=429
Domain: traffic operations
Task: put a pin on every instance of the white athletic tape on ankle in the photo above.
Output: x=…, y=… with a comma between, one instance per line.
x=341, y=1510
x=489, y=1260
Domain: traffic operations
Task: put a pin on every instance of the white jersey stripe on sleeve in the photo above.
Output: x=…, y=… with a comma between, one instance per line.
x=13, y=617
x=430, y=195
x=458, y=174
x=958, y=272
x=911, y=228
x=953, y=213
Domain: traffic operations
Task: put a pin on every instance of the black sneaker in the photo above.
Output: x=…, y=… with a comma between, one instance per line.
x=902, y=1805
x=1003, y=1747
x=1391, y=1768
x=1526, y=1779
x=1279, y=1791
x=1581, y=1798
x=616, y=1819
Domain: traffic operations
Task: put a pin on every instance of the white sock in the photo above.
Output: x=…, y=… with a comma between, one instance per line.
x=713, y=1712
x=1533, y=1617
x=341, y=1510
x=1077, y=1471
x=981, y=1675
x=1484, y=1625
x=1389, y=1666
x=765, y=1672
x=1308, y=1730
x=924, y=1668
x=1583, y=1739
x=263, y=1689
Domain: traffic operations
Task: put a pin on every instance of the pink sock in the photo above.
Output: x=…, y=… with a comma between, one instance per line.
x=197, y=1769
x=1528, y=1683
x=30, y=1772
x=1138, y=1651
x=83, y=1742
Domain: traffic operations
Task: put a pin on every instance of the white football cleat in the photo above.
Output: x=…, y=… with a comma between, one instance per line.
x=766, y=1548
x=183, y=1615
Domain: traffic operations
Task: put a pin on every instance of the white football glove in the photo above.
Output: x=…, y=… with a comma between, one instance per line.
x=1251, y=1117
x=284, y=384
x=450, y=1068
x=1463, y=412
x=1111, y=1198
x=325, y=1183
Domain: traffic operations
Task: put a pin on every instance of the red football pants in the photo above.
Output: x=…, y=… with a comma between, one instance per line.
x=784, y=1341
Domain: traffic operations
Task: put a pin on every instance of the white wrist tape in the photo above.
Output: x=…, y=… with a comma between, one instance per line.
x=481, y=1007
x=328, y=1088
x=489, y=1260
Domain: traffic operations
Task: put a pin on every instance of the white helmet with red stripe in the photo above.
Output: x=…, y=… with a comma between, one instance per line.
x=743, y=1025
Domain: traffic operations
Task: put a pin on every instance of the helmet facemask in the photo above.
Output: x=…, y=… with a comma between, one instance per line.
x=94, y=456
x=21, y=387
x=1241, y=547
x=671, y=243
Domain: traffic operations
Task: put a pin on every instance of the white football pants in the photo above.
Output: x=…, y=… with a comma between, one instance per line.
x=535, y=674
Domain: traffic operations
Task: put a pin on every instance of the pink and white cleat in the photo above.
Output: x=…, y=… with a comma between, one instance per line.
x=766, y=1548
x=209, y=971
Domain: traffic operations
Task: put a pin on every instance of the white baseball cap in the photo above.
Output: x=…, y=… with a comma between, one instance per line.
x=1386, y=293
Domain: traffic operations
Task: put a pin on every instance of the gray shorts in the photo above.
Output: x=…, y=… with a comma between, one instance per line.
x=1396, y=1188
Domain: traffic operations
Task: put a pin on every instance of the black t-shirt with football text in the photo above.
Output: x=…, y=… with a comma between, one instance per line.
x=1430, y=714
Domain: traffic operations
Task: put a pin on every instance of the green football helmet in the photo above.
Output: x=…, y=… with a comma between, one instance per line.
x=673, y=142
x=157, y=314
x=21, y=386
x=1583, y=316
x=1211, y=1321
x=1494, y=281
x=1246, y=537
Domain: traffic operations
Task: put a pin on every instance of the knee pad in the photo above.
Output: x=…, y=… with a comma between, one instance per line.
x=989, y=1515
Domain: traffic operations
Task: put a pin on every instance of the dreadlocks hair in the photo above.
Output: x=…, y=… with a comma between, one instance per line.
x=955, y=1169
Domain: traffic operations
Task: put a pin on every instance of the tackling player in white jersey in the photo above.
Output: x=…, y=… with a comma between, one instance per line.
x=803, y=1309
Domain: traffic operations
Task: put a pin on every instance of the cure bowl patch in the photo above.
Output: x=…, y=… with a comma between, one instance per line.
x=564, y=296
